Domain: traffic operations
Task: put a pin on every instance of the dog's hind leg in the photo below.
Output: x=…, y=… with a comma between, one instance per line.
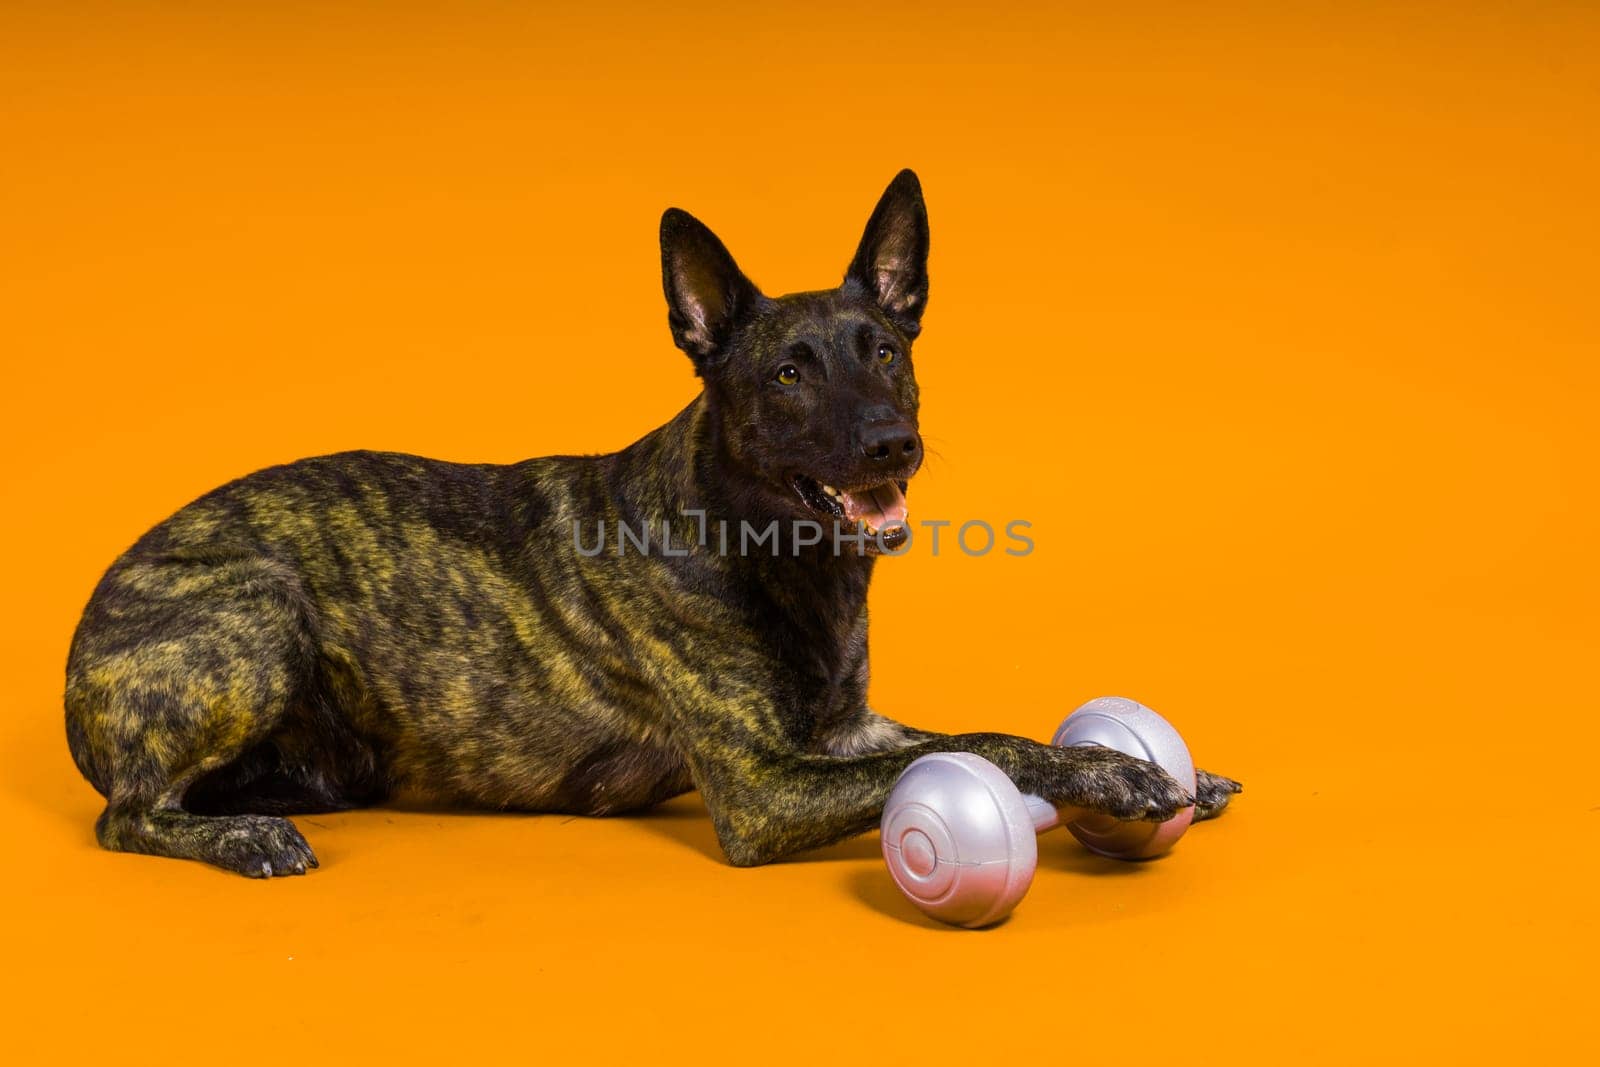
x=179, y=667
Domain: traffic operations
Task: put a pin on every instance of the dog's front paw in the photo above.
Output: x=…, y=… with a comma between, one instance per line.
x=1110, y=783
x=1212, y=793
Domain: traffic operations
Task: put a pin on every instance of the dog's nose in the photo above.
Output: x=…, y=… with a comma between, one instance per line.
x=893, y=442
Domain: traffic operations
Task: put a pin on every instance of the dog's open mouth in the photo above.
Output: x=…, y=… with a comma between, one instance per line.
x=868, y=508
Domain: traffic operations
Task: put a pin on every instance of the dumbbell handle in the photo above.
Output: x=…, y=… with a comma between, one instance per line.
x=1045, y=815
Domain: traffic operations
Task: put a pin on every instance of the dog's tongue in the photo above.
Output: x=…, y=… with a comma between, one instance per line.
x=876, y=507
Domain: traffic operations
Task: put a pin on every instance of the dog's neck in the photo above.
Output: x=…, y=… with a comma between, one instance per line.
x=814, y=598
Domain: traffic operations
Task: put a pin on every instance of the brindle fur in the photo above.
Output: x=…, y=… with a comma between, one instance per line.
x=370, y=627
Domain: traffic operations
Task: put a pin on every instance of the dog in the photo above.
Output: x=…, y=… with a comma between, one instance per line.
x=369, y=627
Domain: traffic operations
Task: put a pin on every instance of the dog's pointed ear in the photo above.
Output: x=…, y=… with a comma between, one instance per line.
x=891, y=265
x=706, y=291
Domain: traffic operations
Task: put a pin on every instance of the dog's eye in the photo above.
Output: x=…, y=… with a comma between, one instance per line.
x=885, y=355
x=788, y=374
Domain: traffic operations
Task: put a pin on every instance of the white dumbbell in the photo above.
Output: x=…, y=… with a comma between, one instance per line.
x=959, y=837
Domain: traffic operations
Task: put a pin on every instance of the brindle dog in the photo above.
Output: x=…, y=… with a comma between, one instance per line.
x=364, y=627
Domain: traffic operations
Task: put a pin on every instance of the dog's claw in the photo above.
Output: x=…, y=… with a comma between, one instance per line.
x=1212, y=793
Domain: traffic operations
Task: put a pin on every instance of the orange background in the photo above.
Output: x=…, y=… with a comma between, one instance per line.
x=1280, y=328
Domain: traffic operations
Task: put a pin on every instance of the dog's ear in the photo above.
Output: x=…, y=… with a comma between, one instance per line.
x=706, y=291
x=891, y=265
